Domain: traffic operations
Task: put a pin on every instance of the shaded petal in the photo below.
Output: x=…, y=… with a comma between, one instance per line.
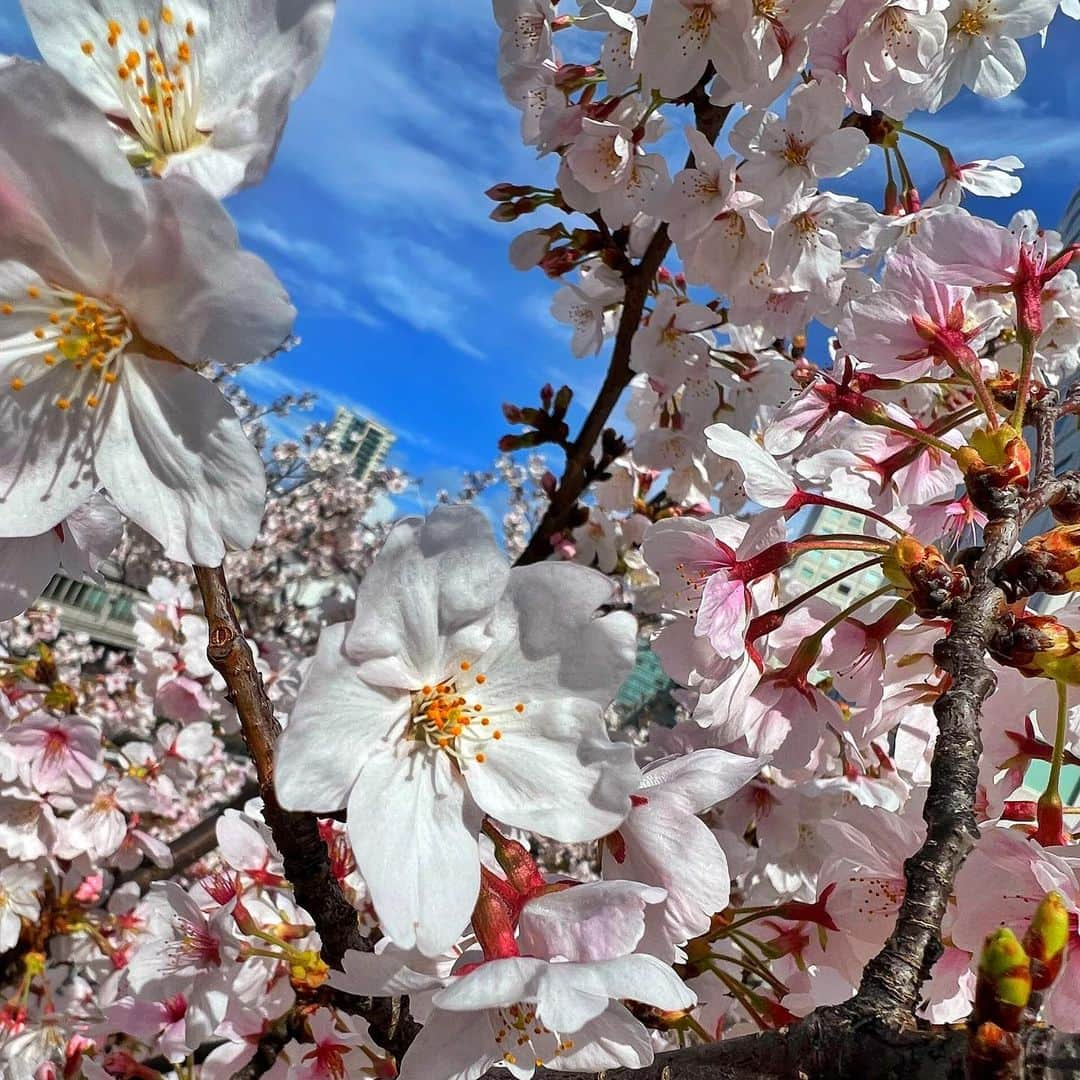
x=550, y=642
x=594, y=921
x=46, y=470
x=426, y=601
x=175, y=460
x=26, y=565
x=451, y=1046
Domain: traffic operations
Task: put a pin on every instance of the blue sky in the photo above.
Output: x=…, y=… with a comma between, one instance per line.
x=374, y=217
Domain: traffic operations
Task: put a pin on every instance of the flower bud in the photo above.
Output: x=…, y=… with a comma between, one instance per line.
x=993, y=462
x=1038, y=646
x=1049, y=564
x=1046, y=940
x=1003, y=984
x=926, y=578
x=992, y=1051
x=1050, y=820
x=505, y=192
x=307, y=970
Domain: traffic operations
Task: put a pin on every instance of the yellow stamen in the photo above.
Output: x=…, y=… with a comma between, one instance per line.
x=17, y=384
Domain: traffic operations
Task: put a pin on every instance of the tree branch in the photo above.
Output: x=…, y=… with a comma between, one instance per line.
x=811, y=1051
x=305, y=858
x=709, y=119
x=890, y=984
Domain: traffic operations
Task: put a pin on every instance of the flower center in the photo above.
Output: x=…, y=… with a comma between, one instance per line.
x=55, y=325
x=196, y=946
x=795, y=152
x=972, y=21
x=154, y=69
x=448, y=717
x=517, y=1027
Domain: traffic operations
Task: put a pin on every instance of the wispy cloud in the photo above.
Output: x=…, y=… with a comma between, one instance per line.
x=267, y=381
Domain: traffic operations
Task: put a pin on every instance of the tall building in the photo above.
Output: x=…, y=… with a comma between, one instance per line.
x=104, y=611
x=1070, y=220
x=817, y=566
x=364, y=441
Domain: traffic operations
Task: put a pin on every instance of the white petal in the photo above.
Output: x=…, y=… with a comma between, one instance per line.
x=413, y=830
x=176, y=461
x=766, y=483
x=556, y=772
x=193, y=291
x=337, y=722
x=77, y=234
x=426, y=601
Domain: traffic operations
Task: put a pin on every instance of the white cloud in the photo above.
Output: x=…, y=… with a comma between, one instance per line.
x=265, y=381
x=399, y=136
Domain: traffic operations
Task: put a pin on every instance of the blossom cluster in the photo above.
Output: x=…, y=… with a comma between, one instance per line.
x=548, y=886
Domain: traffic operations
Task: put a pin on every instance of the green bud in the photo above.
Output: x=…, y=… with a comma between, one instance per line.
x=1046, y=940
x=1003, y=985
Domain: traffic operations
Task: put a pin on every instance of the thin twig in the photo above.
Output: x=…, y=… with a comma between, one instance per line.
x=639, y=280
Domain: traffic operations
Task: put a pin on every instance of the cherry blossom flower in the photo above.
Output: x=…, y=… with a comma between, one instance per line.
x=463, y=688
x=884, y=50
x=191, y=88
x=526, y=1012
x=663, y=841
x=784, y=155
x=915, y=321
x=99, y=352
x=57, y=755
x=674, y=343
x=589, y=307
x=698, y=565
x=981, y=50
x=682, y=36
x=607, y=169
x=720, y=235
x=992, y=177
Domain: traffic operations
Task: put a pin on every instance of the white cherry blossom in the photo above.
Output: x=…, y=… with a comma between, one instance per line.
x=108, y=302
x=463, y=688
x=194, y=87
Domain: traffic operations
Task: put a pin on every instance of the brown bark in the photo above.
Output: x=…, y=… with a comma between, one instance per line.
x=816, y=1050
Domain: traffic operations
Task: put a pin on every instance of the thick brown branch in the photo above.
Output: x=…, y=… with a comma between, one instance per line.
x=891, y=981
x=306, y=861
x=639, y=280
x=820, y=1049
